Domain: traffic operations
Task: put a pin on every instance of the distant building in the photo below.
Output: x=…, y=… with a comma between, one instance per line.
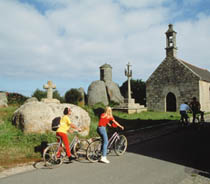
x=176, y=81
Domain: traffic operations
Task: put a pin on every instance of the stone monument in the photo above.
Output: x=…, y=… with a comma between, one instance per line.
x=3, y=99
x=49, y=87
x=104, y=90
x=129, y=104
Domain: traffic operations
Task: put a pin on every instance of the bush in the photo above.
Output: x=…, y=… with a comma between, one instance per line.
x=16, y=98
x=138, y=88
x=73, y=96
x=57, y=96
x=39, y=94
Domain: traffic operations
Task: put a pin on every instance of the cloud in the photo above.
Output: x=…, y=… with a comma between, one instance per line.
x=141, y=4
x=193, y=39
x=69, y=40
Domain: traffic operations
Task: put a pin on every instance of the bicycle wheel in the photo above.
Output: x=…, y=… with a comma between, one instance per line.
x=80, y=149
x=94, y=151
x=120, y=145
x=50, y=156
x=197, y=119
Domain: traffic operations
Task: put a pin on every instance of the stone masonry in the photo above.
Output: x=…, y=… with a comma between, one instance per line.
x=104, y=90
x=177, y=78
x=171, y=76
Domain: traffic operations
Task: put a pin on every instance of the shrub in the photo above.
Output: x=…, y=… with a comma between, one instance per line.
x=16, y=98
x=73, y=96
x=138, y=88
x=39, y=94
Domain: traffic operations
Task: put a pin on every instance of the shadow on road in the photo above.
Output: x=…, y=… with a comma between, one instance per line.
x=185, y=146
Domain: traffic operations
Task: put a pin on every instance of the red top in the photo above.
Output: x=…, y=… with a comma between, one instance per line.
x=104, y=120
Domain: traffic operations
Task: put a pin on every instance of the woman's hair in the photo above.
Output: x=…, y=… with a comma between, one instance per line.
x=66, y=111
x=108, y=111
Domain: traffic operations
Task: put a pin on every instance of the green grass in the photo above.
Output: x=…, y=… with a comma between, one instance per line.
x=15, y=146
x=18, y=147
x=148, y=115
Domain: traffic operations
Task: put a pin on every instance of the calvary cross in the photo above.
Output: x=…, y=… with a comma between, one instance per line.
x=49, y=86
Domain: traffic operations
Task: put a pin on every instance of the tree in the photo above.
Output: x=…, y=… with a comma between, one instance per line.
x=39, y=94
x=57, y=95
x=138, y=88
x=16, y=98
x=73, y=96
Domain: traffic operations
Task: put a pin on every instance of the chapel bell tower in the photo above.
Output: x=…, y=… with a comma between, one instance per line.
x=171, y=48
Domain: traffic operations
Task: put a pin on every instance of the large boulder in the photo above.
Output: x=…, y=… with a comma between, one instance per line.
x=32, y=99
x=104, y=92
x=113, y=92
x=3, y=99
x=97, y=93
x=36, y=117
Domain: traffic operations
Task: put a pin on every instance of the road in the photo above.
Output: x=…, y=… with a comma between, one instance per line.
x=176, y=158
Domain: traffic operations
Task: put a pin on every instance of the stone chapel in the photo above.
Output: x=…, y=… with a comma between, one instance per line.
x=176, y=81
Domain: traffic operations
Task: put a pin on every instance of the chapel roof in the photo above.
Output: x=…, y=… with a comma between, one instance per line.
x=204, y=74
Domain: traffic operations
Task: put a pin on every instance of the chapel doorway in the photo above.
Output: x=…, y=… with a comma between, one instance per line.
x=171, y=102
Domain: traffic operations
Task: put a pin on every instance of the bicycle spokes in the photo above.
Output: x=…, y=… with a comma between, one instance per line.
x=94, y=151
x=120, y=145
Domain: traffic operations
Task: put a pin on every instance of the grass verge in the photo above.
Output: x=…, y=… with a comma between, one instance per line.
x=19, y=148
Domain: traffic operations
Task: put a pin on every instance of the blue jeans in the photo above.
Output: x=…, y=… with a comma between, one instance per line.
x=103, y=134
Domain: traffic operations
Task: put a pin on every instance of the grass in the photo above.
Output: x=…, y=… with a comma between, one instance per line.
x=148, y=115
x=17, y=147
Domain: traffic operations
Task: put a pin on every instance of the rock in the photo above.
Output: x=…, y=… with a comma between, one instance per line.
x=3, y=99
x=50, y=100
x=113, y=92
x=32, y=99
x=97, y=93
x=104, y=92
x=36, y=117
x=82, y=92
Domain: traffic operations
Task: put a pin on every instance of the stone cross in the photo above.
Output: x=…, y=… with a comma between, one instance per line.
x=128, y=73
x=49, y=86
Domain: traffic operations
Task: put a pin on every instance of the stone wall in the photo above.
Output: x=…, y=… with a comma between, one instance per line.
x=171, y=76
x=204, y=95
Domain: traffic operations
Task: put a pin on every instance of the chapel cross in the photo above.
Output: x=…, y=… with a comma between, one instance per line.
x=128, y=73
x=49, y=86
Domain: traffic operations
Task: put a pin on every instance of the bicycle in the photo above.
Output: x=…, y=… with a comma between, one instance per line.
x=116, y=142
x=55, y=154
x=199, y=122
x=183, y=123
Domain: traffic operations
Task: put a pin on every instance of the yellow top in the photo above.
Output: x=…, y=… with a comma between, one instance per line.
x=64, y=124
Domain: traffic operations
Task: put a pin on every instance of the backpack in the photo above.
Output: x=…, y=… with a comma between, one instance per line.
x=56, y=123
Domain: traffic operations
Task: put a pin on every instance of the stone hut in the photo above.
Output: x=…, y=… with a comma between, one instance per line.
x=104, y=90
x=176, y=81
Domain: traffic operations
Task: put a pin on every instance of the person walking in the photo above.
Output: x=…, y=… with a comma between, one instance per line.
x=64, y=128
x=105, y=119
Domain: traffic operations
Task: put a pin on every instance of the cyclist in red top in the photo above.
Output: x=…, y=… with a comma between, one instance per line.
x=103, y=122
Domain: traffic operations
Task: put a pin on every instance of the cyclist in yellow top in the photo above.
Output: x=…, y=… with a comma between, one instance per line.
x=64, y=128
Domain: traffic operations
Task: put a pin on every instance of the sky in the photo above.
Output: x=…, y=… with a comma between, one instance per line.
x=66, y=41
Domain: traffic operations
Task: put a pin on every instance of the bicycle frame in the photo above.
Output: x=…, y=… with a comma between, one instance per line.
x=71, y=145
x=112, y=139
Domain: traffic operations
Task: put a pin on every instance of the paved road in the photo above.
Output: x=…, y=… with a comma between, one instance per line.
x=179, y=158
